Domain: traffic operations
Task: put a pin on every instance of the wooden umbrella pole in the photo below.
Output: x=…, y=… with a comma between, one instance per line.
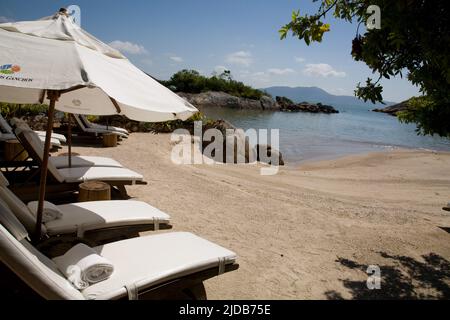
x=53, y=97
x=69, y=138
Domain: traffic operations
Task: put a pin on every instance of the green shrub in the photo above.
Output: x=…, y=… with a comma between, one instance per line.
x=170, y=126
x=10, y=110
x=191, y=81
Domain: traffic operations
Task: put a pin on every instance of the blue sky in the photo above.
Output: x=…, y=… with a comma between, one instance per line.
x=162, y=37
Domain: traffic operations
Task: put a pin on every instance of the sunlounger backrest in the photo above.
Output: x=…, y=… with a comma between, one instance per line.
x=80, y=122
x=35, y=269
x=19, y=209
x=35, y=148
x=5, y=125
x=3, y=181
x=85, y=120
x=10, y=222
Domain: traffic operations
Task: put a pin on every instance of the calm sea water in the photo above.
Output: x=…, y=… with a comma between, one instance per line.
x=307, y=137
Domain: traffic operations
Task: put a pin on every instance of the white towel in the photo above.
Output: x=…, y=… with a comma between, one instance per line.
x=83, y=266
x=51, y=212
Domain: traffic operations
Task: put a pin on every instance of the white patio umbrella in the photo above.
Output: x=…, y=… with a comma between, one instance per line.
x=54, y=61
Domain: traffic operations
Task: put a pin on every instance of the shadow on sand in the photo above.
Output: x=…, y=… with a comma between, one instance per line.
x=405, y=278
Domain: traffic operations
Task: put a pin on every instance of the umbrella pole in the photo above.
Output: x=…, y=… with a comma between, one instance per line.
x=69, y=138
x=53, y=97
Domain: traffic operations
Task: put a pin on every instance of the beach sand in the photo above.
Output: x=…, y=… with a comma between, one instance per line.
x=308, y=232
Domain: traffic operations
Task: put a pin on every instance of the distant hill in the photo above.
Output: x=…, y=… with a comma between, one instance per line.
x=315, y=95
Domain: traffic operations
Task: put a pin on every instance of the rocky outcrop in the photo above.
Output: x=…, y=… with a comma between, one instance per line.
x=225, y=100
x=262, y=153
x=265, y=154
x=267, y=103
x=289, y=106
x=394, y=109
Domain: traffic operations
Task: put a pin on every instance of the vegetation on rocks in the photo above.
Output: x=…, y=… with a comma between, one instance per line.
x=191, y=81
x=288, y=105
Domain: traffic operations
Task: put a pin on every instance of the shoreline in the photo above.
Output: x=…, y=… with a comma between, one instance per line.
x=349, y=156
x=306, y=136
x=308, y=232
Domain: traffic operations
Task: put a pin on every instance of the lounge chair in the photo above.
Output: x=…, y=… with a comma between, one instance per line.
x=116, y=176
x=9, y=136
x=99, y=126
x=8, y=133
x=86, y=219
x=156, y=266
x=96, y=131
x=63, y=161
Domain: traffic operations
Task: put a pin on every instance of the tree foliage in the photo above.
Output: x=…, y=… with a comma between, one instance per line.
x=414, y=38
x=9, y=110
x=191, y=81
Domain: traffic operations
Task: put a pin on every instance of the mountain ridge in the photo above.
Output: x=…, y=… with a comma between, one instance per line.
x=316, y=94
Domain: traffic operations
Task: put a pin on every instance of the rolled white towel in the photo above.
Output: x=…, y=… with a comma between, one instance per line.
x=51, y=212
x=83, y=266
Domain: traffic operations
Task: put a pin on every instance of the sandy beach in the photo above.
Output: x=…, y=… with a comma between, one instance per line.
x=310, y=231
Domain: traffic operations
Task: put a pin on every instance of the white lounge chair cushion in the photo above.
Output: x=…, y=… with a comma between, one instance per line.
x=151, y=260
x=3, y=181
x=20, y=210
x=81, y=174
x=84, y=161
x=98, y=173
x=56, y=136
x=7, y=136
x=39, y=272
x=23, y=125
x=11, y=223
x=100, y=131
x=96, y=130
x=109, y=128
x=100, y=126
x=53, y=141
x=36, y=144
x=4, y=124
x=104, y=214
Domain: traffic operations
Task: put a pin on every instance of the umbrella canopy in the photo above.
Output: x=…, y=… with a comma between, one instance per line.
x=54, y=61
x=56, y=54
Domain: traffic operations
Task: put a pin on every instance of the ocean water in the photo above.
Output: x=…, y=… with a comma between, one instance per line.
x=309, y=137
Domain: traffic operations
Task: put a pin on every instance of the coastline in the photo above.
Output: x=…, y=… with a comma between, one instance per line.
x=308, y=232
x=307, y=136
x=317, y=161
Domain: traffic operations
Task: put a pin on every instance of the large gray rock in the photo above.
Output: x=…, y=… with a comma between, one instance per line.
x=394, y=109
x=265, y=153
x=225, y=100
x=267, y=103
x=236, y=146
x=288, y=105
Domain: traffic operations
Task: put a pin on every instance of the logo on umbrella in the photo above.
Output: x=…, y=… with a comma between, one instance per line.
x=9, y=69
